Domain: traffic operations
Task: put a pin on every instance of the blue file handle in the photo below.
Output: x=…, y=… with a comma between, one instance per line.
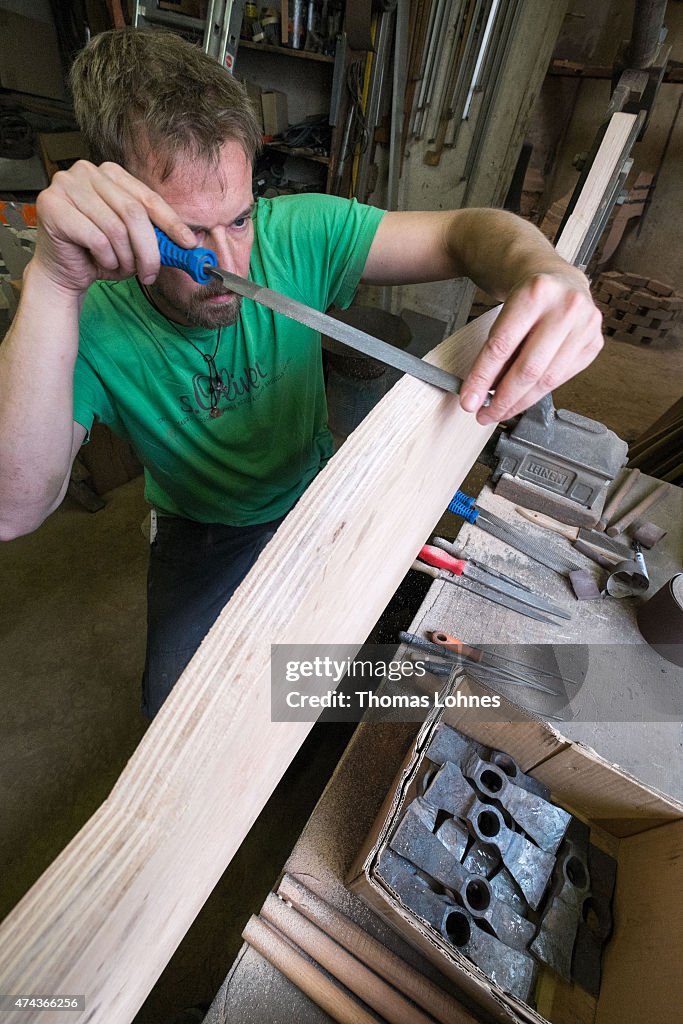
x=193, y=261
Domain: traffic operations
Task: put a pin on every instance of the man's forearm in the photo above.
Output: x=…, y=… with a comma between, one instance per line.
x=499, y=250
x=36, y=403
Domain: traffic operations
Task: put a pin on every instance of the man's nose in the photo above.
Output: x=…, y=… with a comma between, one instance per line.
x=225, y=250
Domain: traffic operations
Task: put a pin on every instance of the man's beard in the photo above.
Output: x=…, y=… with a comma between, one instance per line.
x=199, y=312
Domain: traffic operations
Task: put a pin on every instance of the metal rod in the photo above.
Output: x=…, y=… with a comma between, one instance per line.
x=646, y=34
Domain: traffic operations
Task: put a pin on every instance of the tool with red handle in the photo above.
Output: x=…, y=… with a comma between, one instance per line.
x=480, y=575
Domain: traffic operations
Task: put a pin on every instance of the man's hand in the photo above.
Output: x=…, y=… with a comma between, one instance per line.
x=96, y=222
x=548, y=331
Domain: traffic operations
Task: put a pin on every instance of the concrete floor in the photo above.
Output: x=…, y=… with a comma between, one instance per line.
x=72, y=628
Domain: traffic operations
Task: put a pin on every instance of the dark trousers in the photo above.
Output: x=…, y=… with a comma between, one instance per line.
x=194, y=568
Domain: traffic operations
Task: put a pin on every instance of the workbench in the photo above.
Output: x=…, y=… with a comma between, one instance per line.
x=628, y=707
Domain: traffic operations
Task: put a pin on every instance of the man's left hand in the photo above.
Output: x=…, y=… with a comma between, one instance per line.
x=548, y=331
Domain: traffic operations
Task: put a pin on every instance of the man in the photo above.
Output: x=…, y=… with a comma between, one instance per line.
x=224, y=402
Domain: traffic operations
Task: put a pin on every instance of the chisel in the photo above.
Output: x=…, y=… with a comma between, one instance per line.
x=202, y=265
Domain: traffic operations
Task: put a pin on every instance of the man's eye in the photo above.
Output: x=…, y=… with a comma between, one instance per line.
x=240, y=222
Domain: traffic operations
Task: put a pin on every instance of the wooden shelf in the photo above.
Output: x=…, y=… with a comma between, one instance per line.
x=301, y=151
x=286, y=50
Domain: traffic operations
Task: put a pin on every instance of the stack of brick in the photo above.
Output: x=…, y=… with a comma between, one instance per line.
x=554, y=216
x=637, y=309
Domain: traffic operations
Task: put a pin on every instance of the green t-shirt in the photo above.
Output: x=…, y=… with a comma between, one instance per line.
x=138, y=374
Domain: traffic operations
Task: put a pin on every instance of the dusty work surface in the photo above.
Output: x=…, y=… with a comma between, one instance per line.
x=628, y=707
x=629, y=701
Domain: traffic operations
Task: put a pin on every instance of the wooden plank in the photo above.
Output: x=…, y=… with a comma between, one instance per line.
x=593, y=191
x=107, y=915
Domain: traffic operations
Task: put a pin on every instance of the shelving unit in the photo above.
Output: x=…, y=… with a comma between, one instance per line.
x=310, y=86
x=219, y=30
x=286, y=51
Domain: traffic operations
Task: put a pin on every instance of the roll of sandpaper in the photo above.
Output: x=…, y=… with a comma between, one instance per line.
x=660, y=620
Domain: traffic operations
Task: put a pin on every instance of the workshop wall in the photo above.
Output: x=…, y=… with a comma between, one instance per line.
x=442, y=188
x=657, y=252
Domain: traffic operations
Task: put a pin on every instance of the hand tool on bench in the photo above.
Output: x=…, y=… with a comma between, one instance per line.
x=617, y=498
x=629, y=577
x=485, y=657
x=555, y=461
x=202, y=266
x=602, y=544
x=499, y=673
x=647, y=502
x=547, y=554
x=506, y=602
x=459, y=567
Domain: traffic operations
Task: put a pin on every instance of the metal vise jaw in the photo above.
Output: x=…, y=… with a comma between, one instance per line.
x=558, y=462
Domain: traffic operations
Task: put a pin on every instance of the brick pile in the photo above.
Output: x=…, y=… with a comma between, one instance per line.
x=637, y=309
x=554, y=216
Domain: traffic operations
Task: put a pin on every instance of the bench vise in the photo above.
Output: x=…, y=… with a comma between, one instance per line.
x=557, y=462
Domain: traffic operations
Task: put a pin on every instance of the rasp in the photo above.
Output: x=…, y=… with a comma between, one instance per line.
x=202, y=265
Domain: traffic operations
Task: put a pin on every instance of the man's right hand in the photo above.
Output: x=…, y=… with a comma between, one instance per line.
x=96, y=223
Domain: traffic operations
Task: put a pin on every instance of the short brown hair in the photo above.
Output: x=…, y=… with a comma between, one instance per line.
x=138, y=90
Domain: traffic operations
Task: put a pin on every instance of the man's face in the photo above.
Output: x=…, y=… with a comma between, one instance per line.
x=216, y=202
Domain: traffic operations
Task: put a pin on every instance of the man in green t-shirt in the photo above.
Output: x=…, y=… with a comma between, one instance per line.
x=224, y=402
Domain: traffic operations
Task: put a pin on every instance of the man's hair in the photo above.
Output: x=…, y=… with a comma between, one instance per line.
x=140, y=91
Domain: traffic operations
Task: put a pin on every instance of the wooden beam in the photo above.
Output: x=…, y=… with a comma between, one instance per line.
x=106, y=916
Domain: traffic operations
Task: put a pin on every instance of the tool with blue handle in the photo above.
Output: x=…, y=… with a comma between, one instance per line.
x=202, y=266
x=547, y=554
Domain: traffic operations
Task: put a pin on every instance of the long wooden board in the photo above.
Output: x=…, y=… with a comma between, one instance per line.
x=107, y=915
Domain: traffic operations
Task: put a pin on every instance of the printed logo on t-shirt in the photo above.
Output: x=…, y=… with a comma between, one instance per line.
x=232, y=389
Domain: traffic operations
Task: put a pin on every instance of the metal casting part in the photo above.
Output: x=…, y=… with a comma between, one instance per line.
x=447, y=744
x=530, y=867
x=481, y=859
x=554, y=943
x=515, y=774
x=413, y=893
x=512, y=970
x=453, y=836
x=450, y=791
x=542, y=821
x=413, y=841
x=505, y=923
x=426, y=812
x=505, y=889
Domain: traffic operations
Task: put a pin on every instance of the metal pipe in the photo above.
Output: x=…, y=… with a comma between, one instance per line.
x=648, y=19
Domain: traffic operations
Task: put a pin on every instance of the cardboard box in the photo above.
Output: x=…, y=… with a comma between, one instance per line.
x=275, y=115
x=254, y=93
x=642, y=829
x=59, y=150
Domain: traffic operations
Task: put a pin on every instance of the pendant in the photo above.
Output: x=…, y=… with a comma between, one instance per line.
x=215, y=413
